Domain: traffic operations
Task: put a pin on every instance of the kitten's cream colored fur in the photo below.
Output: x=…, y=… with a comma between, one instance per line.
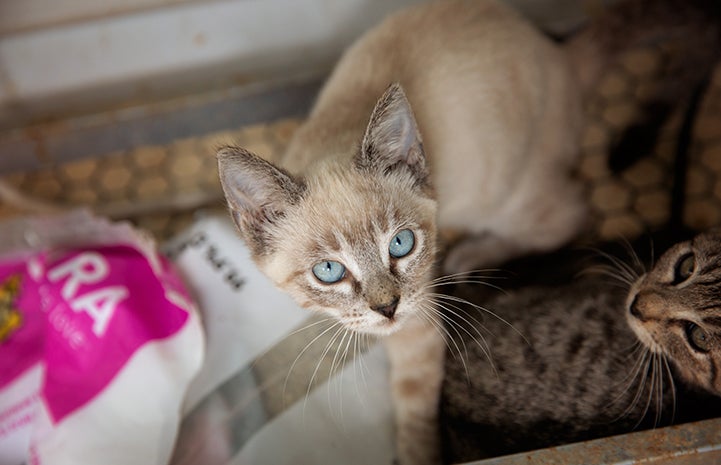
x=496, y=105
x=499, y=109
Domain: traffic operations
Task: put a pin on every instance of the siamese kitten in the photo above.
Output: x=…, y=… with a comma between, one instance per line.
x=348, y=224
x=587, y=358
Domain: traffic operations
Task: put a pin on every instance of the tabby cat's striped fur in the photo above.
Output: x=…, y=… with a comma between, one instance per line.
x=589, y=358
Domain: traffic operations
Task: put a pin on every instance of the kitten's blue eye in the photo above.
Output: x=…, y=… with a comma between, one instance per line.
x=329, y=271
x=402, y=243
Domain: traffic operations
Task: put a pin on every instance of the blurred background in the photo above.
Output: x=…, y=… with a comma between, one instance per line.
x=119, y=105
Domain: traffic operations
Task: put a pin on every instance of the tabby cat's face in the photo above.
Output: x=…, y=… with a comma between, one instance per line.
x=675, y=309
x=354, y=240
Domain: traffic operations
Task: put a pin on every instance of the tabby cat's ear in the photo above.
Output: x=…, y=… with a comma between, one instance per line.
x=258, y=193
x=392, y=140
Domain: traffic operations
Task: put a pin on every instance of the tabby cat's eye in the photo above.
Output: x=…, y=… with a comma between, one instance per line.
x=329, y=271
x=402, y=243
x=684, y=268
x=697, y=337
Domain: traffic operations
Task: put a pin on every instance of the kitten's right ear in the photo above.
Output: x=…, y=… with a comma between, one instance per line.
x=392, y=140
x=258, y=192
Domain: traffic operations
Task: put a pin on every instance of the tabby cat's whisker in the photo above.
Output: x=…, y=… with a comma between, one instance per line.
x=651, y=388
x=623, y=268
x=630, y=377
x=673, y=388
x=635, y=347
x=657, y=389
x=641, y=366
x=611, y=272
x=640, y=268
x=639, y=353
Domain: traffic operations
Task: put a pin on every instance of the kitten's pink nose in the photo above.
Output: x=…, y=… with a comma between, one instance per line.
x=387, y=310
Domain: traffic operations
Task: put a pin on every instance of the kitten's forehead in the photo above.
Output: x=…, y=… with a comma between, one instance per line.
x=347, y=216
x=708, y=243
x=359, y=207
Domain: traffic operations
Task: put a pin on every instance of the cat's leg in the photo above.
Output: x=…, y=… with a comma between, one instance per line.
x=416, y=353
x=544, y=218
x=479, y=251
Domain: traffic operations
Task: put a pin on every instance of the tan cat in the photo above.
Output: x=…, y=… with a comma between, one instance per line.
x=348, y=223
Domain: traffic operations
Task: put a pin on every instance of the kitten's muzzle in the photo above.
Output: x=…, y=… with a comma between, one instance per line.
x=387, y=310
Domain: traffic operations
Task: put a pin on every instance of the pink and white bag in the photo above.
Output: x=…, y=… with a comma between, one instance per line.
x=98, y=342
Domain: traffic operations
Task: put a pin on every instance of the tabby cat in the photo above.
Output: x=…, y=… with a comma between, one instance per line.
x=348, y=224
x=588, y=358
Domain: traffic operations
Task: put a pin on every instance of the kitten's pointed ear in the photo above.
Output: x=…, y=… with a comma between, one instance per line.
x=258, y=192
x=392, y=140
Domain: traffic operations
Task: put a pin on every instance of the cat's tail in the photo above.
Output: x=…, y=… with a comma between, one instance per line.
x=694, y=24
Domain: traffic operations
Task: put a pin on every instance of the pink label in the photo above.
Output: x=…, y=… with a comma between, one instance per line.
x=22, y=323
x=102, y=305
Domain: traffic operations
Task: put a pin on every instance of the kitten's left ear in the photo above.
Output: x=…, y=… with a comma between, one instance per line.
x=392, y=140
x=258, y=192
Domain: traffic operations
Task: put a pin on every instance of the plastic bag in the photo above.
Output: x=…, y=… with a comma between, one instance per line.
x=98, y=343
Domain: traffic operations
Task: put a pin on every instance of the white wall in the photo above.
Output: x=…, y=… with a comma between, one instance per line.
x=78, y=65
x=60, y=57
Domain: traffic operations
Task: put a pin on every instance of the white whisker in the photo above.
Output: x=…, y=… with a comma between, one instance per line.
x=651, y=389
x=334, y=368
x=425, y=312
x=482, y=344
x=633, y=377
x=673, y=388
x=327, y=348
x=307, y=346
x=619, y=269
x=483, y=309
x=451, y=339
x=474, y=273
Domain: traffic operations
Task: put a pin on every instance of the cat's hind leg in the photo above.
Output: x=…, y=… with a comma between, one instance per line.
x=544, y=218
x=479, y=251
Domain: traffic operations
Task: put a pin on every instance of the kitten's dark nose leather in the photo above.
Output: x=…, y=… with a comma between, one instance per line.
x=387, y=310
x=633, y=308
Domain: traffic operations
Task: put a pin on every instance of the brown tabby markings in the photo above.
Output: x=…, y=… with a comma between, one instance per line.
x=597, y=361
x=667, y=303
